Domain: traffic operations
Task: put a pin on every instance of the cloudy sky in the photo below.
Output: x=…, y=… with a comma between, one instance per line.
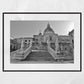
x=30, y=28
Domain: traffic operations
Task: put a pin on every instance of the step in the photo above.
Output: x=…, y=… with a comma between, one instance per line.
x=39, y=56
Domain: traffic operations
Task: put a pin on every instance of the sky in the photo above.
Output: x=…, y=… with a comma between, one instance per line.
x=29, y=28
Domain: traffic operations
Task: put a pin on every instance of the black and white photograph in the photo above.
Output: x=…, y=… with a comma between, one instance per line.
x=41, y=42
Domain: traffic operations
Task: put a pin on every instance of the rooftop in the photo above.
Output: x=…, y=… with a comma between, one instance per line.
x=48, y=28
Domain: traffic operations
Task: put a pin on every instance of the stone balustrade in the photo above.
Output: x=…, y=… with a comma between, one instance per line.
x=11, y=53
x=22, y=54
x=53, y=53
x=26, y=52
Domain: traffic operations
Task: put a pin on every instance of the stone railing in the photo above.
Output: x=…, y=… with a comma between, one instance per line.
x=27, y=52
x=52, y=52
x=13, y=52
x=22, y=54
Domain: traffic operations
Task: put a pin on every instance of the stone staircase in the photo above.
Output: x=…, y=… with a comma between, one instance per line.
x=39, y=56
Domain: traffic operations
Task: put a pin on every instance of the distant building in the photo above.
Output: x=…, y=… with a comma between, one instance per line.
x=71, y=34
x=14, y=44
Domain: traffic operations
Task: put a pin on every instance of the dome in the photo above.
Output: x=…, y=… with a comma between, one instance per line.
x=48, y=29
x=40, y=33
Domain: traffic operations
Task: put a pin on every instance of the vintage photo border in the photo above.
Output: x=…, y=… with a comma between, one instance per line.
x=41, y=13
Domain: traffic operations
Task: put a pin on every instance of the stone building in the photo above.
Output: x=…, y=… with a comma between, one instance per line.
x=62, y=44
x=71, y=34
x=14, y=44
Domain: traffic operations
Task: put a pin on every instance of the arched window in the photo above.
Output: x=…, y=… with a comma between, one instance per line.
x=65, y=48
x=25, y=40
x=29, y=40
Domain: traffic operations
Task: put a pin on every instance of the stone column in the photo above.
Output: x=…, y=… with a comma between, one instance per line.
x=56, y=45
x=22, y=44
x=30, y=43
x=48, y=43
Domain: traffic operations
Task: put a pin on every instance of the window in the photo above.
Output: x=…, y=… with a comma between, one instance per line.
x=65, y=48
x=60, y=49
x=36, y=39
x=25, y=40
x=72, y=41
